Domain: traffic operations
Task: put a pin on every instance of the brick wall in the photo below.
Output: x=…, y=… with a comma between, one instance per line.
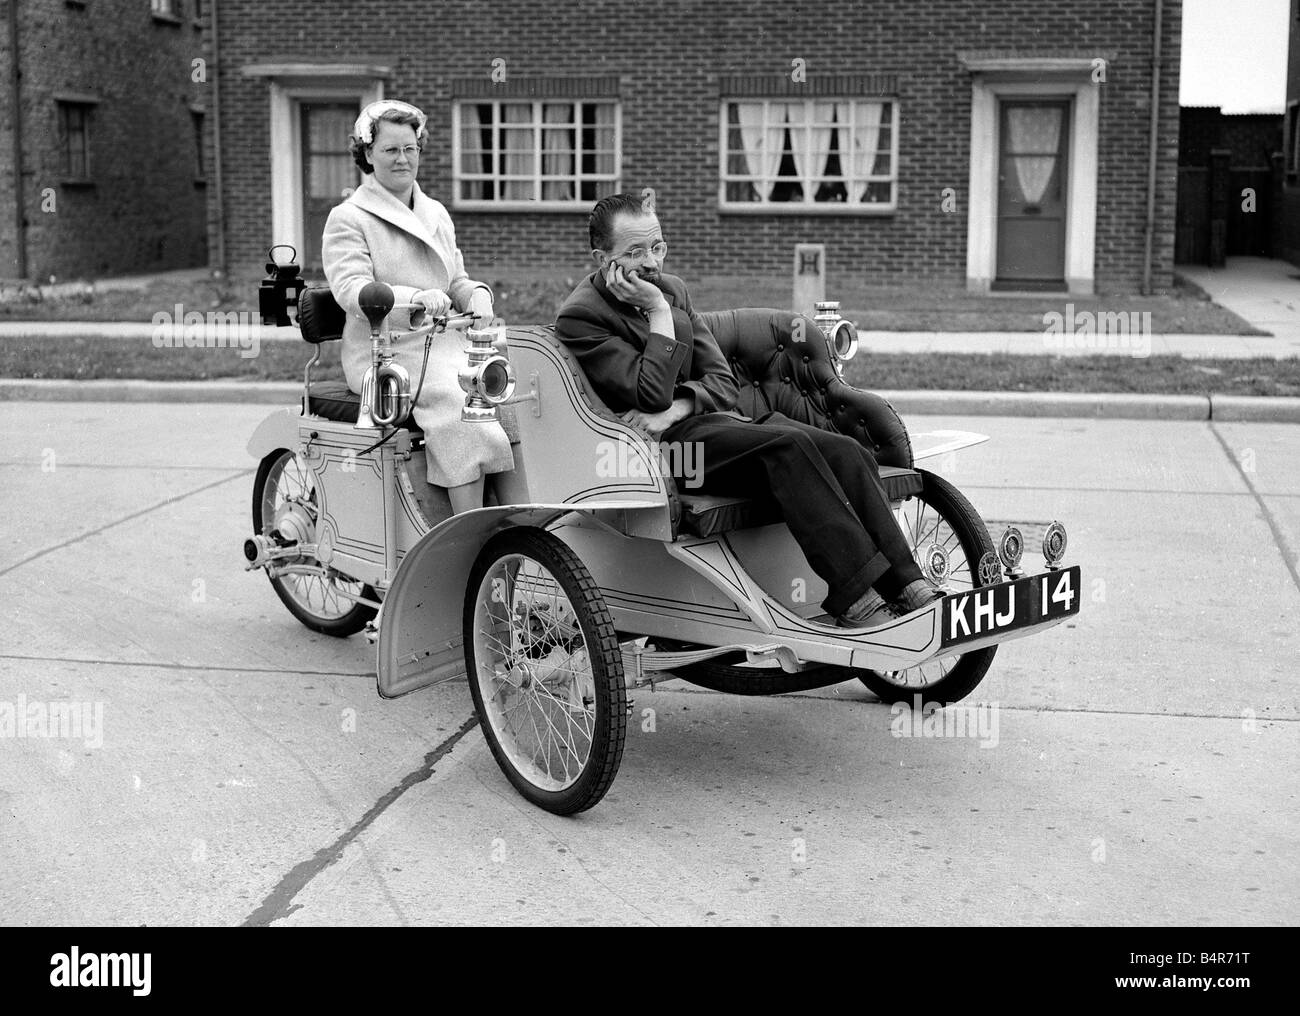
x=670, y=58
x=142, y=210
x=8, y=231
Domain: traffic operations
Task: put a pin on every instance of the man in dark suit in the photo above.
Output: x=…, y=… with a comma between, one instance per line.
x=652, y=359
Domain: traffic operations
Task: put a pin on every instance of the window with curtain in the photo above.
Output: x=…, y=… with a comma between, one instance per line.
x=521, y=153
x=813, y=153
x=74, y=139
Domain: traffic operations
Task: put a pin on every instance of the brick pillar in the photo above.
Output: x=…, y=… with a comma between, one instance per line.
x=1219, y=198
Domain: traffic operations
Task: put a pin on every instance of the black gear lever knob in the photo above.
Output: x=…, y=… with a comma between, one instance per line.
x=376, y=300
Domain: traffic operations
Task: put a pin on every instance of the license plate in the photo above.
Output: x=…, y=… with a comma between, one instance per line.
x=1011, y=605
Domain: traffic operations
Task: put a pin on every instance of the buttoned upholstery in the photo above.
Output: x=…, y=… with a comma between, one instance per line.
x=776, y=373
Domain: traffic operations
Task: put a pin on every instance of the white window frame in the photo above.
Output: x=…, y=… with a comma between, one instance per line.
x=612, y=183
x=807, y=206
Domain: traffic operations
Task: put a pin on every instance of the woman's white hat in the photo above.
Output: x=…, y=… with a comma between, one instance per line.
x=364, y=129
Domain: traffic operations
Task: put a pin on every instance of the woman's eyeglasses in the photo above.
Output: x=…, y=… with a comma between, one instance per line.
x=392, y=152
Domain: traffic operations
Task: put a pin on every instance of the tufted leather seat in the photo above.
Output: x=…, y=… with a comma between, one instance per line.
x=799, y=379
x=778, y=373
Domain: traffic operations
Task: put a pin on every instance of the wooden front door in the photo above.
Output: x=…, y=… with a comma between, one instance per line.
x=1034, y=146
x=327, y=168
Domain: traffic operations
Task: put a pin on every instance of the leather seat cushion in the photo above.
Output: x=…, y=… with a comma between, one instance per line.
x=708, y=514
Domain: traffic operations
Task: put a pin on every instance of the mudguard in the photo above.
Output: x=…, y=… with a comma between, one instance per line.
x=279, y=430
x=420, y=634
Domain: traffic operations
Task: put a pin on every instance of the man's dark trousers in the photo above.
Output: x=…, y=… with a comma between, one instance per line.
x=828, y=486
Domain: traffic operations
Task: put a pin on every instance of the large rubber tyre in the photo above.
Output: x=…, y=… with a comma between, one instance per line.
x=283, y=479
x=940, y=513
x=545, y=670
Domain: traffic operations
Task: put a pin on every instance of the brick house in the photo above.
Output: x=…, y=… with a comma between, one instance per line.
x=101, y=113
x=959, y=143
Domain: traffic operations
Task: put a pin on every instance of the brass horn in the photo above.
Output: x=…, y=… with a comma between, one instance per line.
x=386, y=390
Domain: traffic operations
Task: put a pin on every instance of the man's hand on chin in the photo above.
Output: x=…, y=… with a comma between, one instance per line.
x=657, y=423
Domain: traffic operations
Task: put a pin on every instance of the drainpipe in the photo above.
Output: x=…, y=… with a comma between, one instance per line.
x=218, y=256
x=20, y=202
x=1154, y=149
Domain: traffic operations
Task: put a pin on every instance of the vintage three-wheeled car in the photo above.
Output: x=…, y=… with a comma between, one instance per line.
x=589, y=571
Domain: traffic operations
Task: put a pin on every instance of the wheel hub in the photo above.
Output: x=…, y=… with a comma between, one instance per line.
x=294, y=523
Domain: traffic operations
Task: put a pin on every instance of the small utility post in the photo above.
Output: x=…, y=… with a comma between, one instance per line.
x=809, y=277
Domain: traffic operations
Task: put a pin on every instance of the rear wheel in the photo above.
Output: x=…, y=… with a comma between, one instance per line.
x=286, y=509
x=939, y=514
x=545, y=670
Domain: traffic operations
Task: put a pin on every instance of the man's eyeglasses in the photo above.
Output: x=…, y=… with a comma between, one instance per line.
x=392, y=152
x=659, y=250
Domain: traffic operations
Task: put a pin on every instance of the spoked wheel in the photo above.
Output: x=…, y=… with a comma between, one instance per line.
x=941, y=515
x=286, y=509
x=545, y=670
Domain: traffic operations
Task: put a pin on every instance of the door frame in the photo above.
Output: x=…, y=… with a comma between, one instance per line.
x=301, y=104
x=1067, y=125
x=1064, y=78
x=287, y=97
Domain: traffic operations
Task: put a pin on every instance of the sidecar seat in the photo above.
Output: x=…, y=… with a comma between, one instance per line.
x=799, y=380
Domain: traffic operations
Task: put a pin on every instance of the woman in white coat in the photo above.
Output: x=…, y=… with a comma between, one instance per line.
x=391, y=231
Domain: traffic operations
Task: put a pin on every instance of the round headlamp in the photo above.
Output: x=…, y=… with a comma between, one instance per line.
x=844, y=341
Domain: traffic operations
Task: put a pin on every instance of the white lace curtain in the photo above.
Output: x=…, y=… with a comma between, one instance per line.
x=517, y=151
x=557, y=151
x=1035, y=136
x=763, y=146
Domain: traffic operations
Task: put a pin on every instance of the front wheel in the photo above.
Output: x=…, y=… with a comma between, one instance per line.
x=286, y=507
x=545, y=670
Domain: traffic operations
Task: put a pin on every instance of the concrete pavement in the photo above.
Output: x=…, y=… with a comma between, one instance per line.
x=246, y=772
x=1263, y=291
